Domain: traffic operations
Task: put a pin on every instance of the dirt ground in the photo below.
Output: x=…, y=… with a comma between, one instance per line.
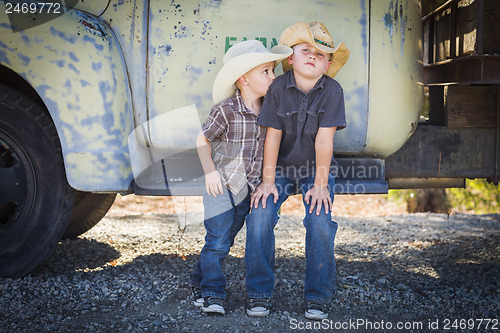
x=131, y=272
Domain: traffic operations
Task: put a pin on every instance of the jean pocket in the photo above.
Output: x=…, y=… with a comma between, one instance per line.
x=312, y=121
x=288, y=120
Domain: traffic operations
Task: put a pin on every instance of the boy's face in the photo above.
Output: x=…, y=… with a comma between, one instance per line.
x=258, y=79
x=308, y=61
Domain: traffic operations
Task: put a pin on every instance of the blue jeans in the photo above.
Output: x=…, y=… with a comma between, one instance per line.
x=320, y=239
x=224, y=218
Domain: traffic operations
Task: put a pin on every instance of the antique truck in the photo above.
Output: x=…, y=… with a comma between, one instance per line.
x=105, y=97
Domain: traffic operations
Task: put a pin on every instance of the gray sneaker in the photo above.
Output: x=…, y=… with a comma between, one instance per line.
x=213, y=305
x=198, y=299
x=316, y=310
x=258, y=307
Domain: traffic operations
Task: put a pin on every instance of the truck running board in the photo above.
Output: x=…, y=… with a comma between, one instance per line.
x=182, y=175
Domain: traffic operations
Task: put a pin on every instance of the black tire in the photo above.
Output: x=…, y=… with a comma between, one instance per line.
x=35, y=198
x=88, y=210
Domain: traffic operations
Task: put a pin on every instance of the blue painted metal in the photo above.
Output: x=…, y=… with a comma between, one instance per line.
x=76, y=66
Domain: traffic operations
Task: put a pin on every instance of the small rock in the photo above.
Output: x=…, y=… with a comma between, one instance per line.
x=401, y=286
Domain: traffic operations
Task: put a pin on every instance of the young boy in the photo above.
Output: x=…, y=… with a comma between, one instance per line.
x=230, y=148
x=302, y=110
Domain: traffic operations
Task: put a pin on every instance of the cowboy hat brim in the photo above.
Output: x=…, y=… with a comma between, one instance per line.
x=339, y=58
x=224, y=87
x=301, y=33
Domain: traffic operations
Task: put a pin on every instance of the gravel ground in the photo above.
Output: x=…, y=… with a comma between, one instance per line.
x=130, y=273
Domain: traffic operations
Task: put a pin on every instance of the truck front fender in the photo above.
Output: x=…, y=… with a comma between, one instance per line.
x=76, y=66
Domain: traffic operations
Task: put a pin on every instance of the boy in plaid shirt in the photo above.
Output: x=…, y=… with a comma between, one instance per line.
x=230, y=148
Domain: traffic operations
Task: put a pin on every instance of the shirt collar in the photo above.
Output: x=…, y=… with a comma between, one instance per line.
x=238, y=101
x=290, y=82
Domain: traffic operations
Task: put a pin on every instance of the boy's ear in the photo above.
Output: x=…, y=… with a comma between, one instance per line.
x=290, y=61
x=242, y=80
x=327, y=66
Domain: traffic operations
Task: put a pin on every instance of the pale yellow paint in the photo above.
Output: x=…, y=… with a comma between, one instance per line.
x=95, y=7
x=396, y=88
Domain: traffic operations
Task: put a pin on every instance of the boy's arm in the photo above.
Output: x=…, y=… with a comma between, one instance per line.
x=319, y=195
x=267, y=186
x=213, y=181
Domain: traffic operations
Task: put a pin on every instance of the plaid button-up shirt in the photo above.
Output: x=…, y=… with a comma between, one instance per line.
x=237, y=143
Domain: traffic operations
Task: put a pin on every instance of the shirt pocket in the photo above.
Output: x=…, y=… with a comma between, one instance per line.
x=312, y=121
x=288, y=120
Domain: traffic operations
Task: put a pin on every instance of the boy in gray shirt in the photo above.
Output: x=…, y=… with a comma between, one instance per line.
x=302, y=110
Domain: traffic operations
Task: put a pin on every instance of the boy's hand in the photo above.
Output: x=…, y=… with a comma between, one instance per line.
x=318, y=197
x=213, y=183
x=264, y=190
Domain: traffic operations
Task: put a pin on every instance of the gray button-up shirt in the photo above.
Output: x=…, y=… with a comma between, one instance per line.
x=299, y=116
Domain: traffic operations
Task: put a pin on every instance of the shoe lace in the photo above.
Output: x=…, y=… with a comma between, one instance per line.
x=259, y=302
x=196, y=291
x=314, y=305
x=214, y=300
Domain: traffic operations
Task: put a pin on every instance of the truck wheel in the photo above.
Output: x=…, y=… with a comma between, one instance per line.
x=88, y=210
x=35, y=198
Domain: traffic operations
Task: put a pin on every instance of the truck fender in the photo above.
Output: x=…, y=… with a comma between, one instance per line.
x=76, y=66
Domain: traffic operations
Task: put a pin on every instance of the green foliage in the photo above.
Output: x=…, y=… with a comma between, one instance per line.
x=478, y=196
x=401, y=196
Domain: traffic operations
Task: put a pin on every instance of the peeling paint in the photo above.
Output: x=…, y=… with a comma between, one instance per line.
x=206, y=27
x=62, y=35
x=4, y=59
x=96, y=66
x=395, y=15
x=25, y=59
x=73, y=57
x=60, y=63
x=84, y=83
x=74, y=69
x=4, y=46
x=92, y=41
x=26, y=39
x=163, y=50
x=363, y=22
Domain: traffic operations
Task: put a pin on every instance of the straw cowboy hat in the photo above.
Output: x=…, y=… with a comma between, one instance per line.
x=316, y=34
x=240, y=59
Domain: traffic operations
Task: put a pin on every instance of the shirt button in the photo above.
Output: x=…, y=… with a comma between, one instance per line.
x=288, y=113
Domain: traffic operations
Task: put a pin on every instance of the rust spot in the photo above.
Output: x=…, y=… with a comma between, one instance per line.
x=95, y=29
x=88, y=25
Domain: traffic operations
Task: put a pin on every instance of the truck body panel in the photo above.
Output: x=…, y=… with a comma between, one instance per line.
x=75, y=65
x=188, y=40
x=396, y=79
x=141, y=64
